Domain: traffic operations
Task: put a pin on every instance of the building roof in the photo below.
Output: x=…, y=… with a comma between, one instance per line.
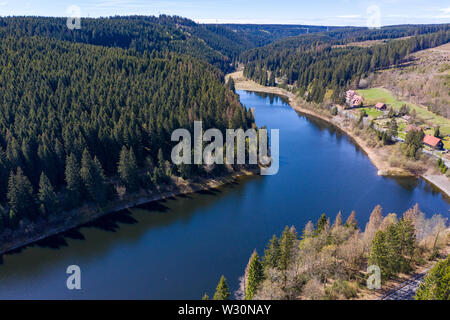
x=431, y=141
x=357, y=100
x=380, y=105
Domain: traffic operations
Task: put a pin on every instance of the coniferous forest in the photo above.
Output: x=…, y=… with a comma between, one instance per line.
x=75, y=115
x=321, y=61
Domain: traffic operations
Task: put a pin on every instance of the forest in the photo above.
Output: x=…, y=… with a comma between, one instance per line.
x=320, y=63
x=218, y=45
x=73, y=116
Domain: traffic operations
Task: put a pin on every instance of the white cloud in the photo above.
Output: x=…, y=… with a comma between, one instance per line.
x=350, y=16
x=445, y=13
x=4, y=3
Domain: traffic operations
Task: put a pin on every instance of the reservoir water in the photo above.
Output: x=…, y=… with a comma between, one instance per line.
x=178, y=248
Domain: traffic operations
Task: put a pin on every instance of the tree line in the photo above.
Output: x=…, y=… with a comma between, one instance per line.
x=329, y=260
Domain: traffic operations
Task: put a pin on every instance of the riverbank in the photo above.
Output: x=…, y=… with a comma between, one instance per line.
x=376, y=155
x=88, y=213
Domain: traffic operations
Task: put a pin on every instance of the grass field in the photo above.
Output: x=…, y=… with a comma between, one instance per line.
x=372, y=112
x=374, y=95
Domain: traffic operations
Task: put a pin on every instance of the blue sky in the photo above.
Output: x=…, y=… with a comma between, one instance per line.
x=314, y=12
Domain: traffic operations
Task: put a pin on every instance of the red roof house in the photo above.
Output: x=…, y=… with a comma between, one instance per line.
x=380, y=106
x=433, y=142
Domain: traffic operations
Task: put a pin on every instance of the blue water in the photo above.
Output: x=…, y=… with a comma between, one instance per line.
x=178, y=249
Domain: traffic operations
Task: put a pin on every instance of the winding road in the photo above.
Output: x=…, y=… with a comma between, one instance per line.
x=406, y=290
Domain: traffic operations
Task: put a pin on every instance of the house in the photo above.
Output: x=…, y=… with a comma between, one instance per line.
x=433, y=142
x=380, y=106
x=353, y=100
x=349, y=96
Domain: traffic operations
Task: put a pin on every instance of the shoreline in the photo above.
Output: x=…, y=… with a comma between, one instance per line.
x=88, y=213
x=438, y=181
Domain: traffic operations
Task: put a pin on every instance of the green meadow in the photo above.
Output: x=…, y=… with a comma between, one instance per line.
x=374, y=95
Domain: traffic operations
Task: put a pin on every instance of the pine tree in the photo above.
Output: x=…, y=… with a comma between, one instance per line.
x=255, y=276
x=230, y=84
x=286, y=244
x=47, y=196
x=91, y=173
x=205, y=297
x=128, y=169
x=272, y=79
x=20, y=195
x=321, y=223
x=222, y=291
x=271, y=254
x=379, y=254
x=73, y=180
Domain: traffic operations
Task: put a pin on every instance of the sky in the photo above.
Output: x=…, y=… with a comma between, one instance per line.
x=311, y=12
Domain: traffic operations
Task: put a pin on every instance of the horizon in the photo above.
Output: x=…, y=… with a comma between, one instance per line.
x=338, y=13
x=226, y=23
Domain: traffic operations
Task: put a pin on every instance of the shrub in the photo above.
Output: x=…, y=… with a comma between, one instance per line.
x=340, y=289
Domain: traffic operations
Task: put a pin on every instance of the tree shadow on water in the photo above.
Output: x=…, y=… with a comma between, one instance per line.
x=110, y=222
x=53, y=242
x=157, y=206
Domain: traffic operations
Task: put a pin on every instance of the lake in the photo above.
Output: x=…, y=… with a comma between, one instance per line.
x=179, y=248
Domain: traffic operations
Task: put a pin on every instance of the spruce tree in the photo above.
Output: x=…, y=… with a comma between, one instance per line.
x=47, y=196
x=91, y=173
x=321, y=223
x=271, y=254
x=286, y=243
x=255, y=276
x=20, y=196
x=73, y=180
x=128, y=169
x=272, y=79
x=222, y=291
x=379, y=254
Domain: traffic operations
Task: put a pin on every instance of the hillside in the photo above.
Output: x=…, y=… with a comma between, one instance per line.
x=424, y=79
x=140, y=33
x=320, y=71
x=73, y=115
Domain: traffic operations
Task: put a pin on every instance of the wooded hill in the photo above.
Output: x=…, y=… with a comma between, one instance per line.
x=81, y=108
x=219, y=45
x=314, y=65
x=72, y=114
